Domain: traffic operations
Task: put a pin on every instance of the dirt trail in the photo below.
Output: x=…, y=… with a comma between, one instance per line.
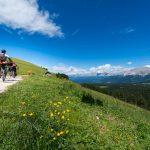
x=8, y=82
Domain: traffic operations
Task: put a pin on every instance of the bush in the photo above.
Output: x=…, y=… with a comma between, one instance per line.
x=62, y=76
x=87, y=98
x=48, y=74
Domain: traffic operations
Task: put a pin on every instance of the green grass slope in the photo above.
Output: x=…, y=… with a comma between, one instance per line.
x=24, y=67
x=42, y=113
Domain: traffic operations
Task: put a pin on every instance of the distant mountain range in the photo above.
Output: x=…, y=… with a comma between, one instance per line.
x=143, y=71
x=138, y=71
x=137, y=75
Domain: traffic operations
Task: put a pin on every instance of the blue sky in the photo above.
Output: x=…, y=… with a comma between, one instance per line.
x=78, y=33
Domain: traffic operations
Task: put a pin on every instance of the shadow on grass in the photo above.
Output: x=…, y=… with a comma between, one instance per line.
x=89, y=99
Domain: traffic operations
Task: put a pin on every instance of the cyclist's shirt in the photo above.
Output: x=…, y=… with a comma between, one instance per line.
x=4, y=58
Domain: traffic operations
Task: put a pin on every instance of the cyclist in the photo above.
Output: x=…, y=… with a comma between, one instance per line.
x=13, y=69
x=4, y=60
x=4, y=57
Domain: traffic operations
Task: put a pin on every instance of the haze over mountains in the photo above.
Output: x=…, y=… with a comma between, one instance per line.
x=138, y=71
x=129, y=71
x=136, y=75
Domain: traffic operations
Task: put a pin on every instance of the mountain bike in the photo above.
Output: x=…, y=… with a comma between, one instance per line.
x=12, y=71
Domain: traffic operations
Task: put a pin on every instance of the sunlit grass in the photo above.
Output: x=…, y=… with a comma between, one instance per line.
x=25, y=67
x=48, y=113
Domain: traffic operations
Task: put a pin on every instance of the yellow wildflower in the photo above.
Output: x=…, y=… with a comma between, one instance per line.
x=67, y=97
x=51, y=114
x=58, y=134
x=51, y=130
x=58, y=113
x=24, y=115
x=68, y=110
x=54, y=138
x=63, y=117
x=60, y=103
x=61, y=132
x=30, y=114
x=55, y=111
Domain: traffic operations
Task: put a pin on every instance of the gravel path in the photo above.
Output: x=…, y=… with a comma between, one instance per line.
x=8, y=82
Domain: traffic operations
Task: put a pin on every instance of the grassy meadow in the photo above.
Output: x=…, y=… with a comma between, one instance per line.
x=27, y=67
x=41, y=113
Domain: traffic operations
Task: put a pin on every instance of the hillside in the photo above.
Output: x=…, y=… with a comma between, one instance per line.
x=51, y=113
x=24, y=67
x=125, y=92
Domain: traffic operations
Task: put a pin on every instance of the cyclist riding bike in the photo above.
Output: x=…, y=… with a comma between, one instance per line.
x=12, y=68
x=4, y=61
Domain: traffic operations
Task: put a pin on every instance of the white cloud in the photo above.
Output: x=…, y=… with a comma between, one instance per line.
x=25, y=15
x=68, y=70
x=128, y=30
x=148, y=66
x=108, y=68
x=130, y=63
x=102, y=69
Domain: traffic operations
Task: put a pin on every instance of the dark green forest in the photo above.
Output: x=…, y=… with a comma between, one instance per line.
x=137, y=94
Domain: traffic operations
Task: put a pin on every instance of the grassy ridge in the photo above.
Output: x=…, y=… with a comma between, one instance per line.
x=24, y=67
x=29, y=121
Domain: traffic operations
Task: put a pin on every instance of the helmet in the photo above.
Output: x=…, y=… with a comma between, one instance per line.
x=3, y=51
